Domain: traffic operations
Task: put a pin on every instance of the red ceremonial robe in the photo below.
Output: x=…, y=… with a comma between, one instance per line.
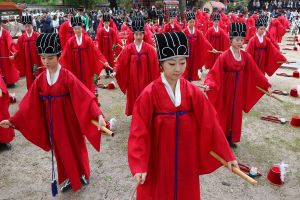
x=65, y=33
x=8, y=69
x=220, y=41
x=233, y=90
x=6, y=135
x=111, y=25
x=106, y=41
x=83, y=61
x=276, y=30
x=265, y=55
x=172, y=144
x=169, y=28
x=135, y=70
x=27, y=56
x=198, y=53
x=68, y=107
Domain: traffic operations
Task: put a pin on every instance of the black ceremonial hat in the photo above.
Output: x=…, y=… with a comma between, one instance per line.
x=76, y=21
x=237, y=30
x=260, y=22
x=216, y=17
x=138, y=25
x=171, y=45
x=26, y=20
x=48, y=44
x=190, y=16
x=106, y=17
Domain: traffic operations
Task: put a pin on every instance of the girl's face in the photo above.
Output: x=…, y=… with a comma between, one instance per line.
x=138, y=36
x=174, y=68
x=191, y=23
x=261, y=30
x=216, y=22
x=77, y=30
x=50, y=61
x=237, y=42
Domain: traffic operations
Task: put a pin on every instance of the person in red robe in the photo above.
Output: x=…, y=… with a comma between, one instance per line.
x=219, y=40
x=26, y=55
x=173, y=129
x=267, y=57
x=276, y=30
x=108, y=43
x=56, y=115
x=9, y=71
x=172, y=25
x=199, y=49
x=82, y=57
x=148, y=35
x=6, y=135
x=65, y=29
x=136, y=67
x=231, y=84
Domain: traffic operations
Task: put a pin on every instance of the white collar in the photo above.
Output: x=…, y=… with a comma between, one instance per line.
x=260, y=38
x=172, y=25
x=70, y=23
x=193, y=31
x=175, y=98
x=107, y=30
x=216, y=29
x=237, y=59
x=79, y=40
x=55, y=75
x=29, y=35
x=1, y=31
x=138, y=47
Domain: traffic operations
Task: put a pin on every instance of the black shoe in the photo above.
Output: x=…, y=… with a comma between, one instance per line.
x=5, y=147
x=66, y=186
x=11, y=85
x=84, y=181
x=232, y=145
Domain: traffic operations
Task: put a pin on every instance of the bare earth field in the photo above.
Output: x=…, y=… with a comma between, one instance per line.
x=25, y=171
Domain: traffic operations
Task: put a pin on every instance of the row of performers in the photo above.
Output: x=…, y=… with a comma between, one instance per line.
x=159, y=96
x=109, y=43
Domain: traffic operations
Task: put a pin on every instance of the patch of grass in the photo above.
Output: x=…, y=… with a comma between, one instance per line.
x=294, y=145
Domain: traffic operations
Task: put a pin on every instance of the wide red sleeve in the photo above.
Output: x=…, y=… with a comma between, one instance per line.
x=214, y=80
x=204, y=47
x=122, y=69
x=86, y=109
x=250, y=46
x=62, y=35
x=66, y=56
x=139, y=138
x=274, y=58
x=30, y=118
x=225, y=40
x=211, y=137
x=153, y=63
x=96, y=57
x=253, y=77
x=3, y=85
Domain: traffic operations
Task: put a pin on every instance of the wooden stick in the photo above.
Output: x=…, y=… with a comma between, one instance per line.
x=103, y=128
x=215, y=52
x=287, y=62
x=133, y=191
x=106, y=65
x=118, y=56
x=267, y=93
x=235, y=170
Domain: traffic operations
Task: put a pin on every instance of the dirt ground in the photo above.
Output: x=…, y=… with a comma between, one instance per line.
x=25, y=171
